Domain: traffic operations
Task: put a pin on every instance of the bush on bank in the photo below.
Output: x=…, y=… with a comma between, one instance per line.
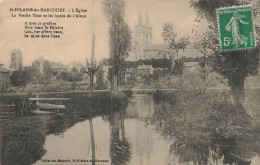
x=198, y=119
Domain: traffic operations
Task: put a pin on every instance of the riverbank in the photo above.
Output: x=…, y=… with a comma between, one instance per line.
x=22, y=138
x=206, y=122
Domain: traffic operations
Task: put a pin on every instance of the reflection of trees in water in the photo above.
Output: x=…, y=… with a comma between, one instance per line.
x=120, y=147
x=92, y=141
x=141, y=107
x=22, y=139
x=205, y=129
x=144, y=141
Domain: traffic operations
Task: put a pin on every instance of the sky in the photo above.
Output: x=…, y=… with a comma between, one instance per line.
x=75, y=43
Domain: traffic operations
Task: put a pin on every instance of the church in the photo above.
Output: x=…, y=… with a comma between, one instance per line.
x=143, y=48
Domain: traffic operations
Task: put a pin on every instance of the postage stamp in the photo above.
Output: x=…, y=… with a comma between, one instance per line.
x=236, y=28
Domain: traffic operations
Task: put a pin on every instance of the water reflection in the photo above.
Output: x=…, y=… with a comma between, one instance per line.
x=207, y=132
x=127, y=137
x=120, y=147
x=121, y=138
x=92, y=141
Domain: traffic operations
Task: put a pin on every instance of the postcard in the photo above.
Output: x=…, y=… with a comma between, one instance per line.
x=129, y=82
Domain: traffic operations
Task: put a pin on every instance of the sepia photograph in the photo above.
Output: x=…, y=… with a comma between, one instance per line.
x=129, y=82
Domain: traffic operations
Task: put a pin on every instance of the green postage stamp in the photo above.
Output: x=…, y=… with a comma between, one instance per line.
x=236, y=28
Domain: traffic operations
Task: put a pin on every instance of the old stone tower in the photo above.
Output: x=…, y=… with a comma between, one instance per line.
x=16, y=60
x=143, y=37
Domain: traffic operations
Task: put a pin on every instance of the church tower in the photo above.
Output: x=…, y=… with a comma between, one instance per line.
x=143, y=36
x=16, y=60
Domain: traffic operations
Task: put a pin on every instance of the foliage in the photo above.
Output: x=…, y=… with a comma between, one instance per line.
x=203, y=123
x=207, y=8
x=100, y=79
x=63, y=76
x=22, y=76
x=47, y=69
x=120, y=37
x=156, y=63
x=83, y=70
x=168, y=32
x=169, y=35
x=233, y=65
x=178, y=67
x=74, y=75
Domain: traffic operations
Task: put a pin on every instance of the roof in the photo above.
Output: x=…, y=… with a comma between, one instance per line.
x=3, y=70
x=57, y=65
x=191, y=63
x=144, y=67
x=156, y=47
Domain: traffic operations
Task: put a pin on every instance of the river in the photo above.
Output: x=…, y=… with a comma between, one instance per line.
x=146, y=132
x=126, y=137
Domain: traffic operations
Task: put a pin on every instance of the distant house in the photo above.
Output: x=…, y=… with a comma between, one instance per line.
x=143, y=70
x=191, y=66
x=4, y=78
x=58, y=67
x=130, y=73
x=190, y=51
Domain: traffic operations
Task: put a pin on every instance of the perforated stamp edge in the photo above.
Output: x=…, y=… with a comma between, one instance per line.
x=232, y=7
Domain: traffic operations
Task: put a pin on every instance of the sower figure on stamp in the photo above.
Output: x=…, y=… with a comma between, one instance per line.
x=235, y=26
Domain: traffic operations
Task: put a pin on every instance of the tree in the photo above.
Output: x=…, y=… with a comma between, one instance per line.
x=92, y=68
x=37, y=75
x=100, y=78
x=168, y=32
x=178, y=67
x=47, y=69
x=75, y=75
x=63, y=76
x=119, y=42
x=169, y=35
x=22, y=77
x=82, y=69
x=233, y=65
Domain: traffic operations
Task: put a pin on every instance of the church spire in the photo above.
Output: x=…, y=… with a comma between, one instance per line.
x=140, y=20
x=146, y=19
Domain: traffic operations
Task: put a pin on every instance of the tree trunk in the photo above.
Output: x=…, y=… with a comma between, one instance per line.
x=115, y=85
x=239, y=99
x=91, y=84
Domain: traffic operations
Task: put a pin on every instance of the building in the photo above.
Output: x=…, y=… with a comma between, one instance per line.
x=190, y=51
x=16, y=60
x=4, y=78
x=143, y=48
x=191, y=66
x=144, y=70
x=58, y=67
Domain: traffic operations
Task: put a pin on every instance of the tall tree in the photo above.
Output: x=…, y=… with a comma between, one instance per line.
x=119, y=42
x=169, y=35
x=22, y=76
x=47, y=69
x=233, y=65
x=37, y=75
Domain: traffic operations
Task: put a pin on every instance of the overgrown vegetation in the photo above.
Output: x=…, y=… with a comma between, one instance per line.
x=233, y=65
x=200, y=123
